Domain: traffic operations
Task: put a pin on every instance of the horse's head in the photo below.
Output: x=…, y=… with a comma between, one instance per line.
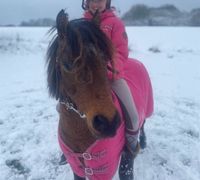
x=77, y=69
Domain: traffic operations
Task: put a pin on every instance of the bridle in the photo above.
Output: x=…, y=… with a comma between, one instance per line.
x=67, y=102
x=70, y=106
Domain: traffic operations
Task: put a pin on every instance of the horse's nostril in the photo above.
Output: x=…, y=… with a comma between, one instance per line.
x=105, y=127
x=100, y=123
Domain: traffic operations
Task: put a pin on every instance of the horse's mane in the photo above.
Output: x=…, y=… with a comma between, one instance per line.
x=80, y=34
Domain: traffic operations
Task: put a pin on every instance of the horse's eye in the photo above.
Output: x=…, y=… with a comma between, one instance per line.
x=68, y=66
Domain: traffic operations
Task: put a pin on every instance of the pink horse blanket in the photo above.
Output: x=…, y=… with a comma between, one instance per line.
x=139, y=83
x=101, y=158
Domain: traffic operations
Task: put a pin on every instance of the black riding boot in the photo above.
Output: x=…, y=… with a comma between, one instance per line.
x=142, y=137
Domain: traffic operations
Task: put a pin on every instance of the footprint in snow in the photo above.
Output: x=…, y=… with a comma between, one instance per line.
x=17, y=166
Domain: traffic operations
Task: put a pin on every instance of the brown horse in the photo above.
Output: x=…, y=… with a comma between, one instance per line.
x=77, y=60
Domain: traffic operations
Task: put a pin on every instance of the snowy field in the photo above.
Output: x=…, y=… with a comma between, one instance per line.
x=28, y=120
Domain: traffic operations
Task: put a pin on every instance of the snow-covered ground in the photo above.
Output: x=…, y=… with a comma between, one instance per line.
x=28, y=120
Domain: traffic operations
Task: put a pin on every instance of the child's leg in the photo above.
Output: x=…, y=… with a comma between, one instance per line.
x=122, y=90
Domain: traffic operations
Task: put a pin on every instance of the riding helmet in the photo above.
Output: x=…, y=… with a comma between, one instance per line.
x=85, y=5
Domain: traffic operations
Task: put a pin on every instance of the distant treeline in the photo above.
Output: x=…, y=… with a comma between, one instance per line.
x=38, y=22
x=41, y=22
x=142, y=15
x=166, y=15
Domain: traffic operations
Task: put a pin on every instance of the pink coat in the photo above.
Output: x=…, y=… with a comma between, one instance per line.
x=114, y=28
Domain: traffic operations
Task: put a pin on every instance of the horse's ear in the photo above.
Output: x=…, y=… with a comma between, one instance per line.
x=61, y=23
x=96, y=18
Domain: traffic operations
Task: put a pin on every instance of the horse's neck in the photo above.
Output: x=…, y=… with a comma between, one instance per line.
x=74, y=131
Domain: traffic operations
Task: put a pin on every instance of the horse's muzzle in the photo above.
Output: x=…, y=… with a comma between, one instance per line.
x=104, y=127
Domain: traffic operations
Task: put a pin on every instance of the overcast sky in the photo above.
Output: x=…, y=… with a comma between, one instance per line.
x=14, y=11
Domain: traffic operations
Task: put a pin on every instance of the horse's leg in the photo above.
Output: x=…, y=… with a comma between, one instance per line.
x=126, y=166
x=76, y=177
x=143, y=139
x=63, y=160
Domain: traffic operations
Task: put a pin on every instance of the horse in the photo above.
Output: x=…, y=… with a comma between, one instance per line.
x=91, y=130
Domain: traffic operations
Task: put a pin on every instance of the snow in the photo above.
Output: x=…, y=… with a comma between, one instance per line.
x=28, y=120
